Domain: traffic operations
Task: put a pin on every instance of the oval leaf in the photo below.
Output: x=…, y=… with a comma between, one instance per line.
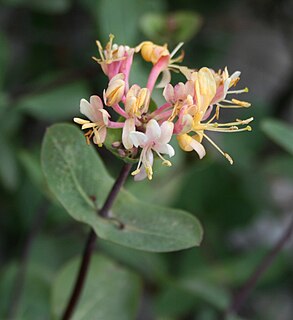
x=76, y=175
x=46, y=105
x=279, y=132
x=110, y=291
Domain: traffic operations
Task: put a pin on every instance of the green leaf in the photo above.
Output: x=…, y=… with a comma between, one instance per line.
x=32, y=166
x=235, y=271
x=281, y=133
x=121, y=18
x=279, y=165
x=171, y=28
x=49, y=7
x=207, y=291
x=173, y=303
x=4, y=57
x=60, y=103
x=75, y=175
x=110, y=292
x=114, y=135
x=151, y=265
x=34, y=300
x=8, y=164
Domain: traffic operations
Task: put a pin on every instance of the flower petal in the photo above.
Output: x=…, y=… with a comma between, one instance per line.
x=153, y=130
x=104, y=116
x=129, y=126
x=89, y=110
x=138, y=138
x=149, y=158
x=166, y=78
x=141, y=175
x=167, y=128
x=205, y=86
x=168, y=93
x=100, y=135
x=198, y=147
x=188, y=143
x=165, y=149
x=96, y=102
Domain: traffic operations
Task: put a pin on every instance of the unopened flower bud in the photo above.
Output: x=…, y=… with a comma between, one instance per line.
x=115, y=90
x=152, y=52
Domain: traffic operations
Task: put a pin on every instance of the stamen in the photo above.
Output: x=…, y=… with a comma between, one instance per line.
x=80, y=121
x=135, y=172
x=213, y=117
x=88, y=125
x=226, y=155
x=165, y=162
x=179, y=45
x=238, y=91
x=241, y=103
x=100, y=48
x=231, y=129
x=149, y=172
x=88, y=135
x=233, y=106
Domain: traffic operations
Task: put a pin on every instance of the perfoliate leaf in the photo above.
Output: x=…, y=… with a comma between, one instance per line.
x=76, y=175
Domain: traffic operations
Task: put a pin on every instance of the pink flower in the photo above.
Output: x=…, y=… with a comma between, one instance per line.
x=115, y=59
x=179, y=93
x=155, y=139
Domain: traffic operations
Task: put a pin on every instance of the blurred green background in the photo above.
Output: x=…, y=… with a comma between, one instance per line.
x=46, y=68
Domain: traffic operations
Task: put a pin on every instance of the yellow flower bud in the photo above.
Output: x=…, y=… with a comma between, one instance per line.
x=115, y=90
x=152, y=52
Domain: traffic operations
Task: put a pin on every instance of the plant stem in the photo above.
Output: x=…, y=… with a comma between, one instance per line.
x=266, y=262
x=90, y=244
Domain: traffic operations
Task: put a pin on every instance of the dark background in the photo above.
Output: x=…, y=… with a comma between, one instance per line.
x=46, y=68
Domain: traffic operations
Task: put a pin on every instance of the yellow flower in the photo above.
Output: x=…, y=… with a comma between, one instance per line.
x=115, y=90
x=137, y=101
x=205, y=90
x=152, y=52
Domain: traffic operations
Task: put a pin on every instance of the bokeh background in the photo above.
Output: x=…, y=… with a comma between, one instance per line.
x=46, y=68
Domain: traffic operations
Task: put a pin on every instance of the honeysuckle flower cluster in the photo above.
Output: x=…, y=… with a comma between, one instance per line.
x=191, y=110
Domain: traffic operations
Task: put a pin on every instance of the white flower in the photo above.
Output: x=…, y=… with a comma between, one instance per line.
x=155, y=139
x=94, y=111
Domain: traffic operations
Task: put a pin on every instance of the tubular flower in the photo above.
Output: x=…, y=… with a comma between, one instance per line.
x=205, y=91
x=191, y=110
x=155, y=139
x=224, y=82
x=94, y=111
x=115, y=58
x=137, y=101
x=115, y=90
x=162, y=61
x=136, y=104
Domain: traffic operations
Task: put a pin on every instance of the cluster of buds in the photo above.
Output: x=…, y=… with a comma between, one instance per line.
x=191, y=109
